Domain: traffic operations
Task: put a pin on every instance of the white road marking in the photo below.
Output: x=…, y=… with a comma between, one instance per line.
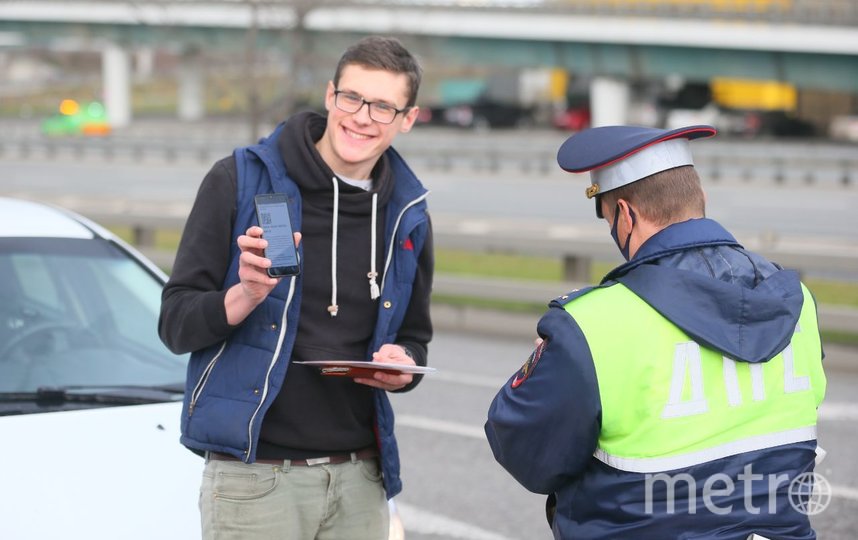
x=440, y=426
x=470, y=379
x=420, y=521
x=844, y=492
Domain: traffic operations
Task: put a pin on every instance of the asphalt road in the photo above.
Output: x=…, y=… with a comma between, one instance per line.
x=453, y=488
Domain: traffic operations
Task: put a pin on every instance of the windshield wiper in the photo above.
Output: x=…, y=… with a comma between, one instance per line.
x=107, y=394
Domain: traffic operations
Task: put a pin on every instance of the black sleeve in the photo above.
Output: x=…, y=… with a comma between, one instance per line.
x=193, y=315
x=416, y=330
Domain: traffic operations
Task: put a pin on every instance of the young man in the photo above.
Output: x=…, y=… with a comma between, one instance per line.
x=291, y=453
x=678, y=398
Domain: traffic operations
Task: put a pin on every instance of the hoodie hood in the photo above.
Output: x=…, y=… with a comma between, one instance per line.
x=298, y=147
x=697, y=276
x=325, y=194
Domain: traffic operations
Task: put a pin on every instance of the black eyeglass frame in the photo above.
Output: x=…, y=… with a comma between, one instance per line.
x=369, y=105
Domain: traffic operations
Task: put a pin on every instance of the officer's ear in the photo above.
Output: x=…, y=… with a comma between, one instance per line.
x=625, y=209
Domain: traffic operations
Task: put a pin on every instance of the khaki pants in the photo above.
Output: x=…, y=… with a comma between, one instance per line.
x=240, y=501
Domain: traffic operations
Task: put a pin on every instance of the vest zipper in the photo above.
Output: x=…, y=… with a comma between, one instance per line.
x=283, y=323
x=393, y=236
x=201, y=383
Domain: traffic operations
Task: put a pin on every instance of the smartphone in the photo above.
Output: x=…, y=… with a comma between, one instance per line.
x=272, y=212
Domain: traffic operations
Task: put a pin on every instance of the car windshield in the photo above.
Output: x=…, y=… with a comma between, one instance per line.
x=79, y=312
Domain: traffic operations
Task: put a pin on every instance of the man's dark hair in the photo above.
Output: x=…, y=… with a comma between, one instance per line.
x=665, y=197
x=383, y=53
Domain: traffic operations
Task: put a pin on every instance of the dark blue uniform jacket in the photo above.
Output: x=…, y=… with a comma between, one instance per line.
x=545, y=431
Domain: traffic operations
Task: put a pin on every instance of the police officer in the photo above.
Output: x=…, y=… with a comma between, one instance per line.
x=678, y=398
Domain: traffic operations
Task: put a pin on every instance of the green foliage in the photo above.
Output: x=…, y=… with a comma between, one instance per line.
x=502, y=265
x=839, y=338
x=833, y=292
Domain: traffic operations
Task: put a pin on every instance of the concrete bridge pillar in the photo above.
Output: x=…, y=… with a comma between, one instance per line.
x=609, y=101
x=116, y=74
x=191, y=104
x=145, y=63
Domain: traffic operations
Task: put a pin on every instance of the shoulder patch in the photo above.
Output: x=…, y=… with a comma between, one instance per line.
x=529, y=364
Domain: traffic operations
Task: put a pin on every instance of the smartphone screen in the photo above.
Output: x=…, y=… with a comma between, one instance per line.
x=272, y=211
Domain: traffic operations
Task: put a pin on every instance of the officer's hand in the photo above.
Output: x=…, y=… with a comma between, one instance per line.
x=390, y=354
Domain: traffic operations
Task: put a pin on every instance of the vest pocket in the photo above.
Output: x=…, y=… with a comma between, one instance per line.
x=204, y=377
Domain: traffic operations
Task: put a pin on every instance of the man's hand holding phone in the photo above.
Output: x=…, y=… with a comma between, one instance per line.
x=255, y=283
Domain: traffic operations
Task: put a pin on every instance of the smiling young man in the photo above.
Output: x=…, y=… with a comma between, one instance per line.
x=291, y=453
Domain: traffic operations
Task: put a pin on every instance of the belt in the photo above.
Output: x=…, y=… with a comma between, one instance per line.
x=366, y=453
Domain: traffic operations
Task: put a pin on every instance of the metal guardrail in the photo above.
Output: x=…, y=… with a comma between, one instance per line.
x=529, y=153
x=832, y=318
x=577, y=247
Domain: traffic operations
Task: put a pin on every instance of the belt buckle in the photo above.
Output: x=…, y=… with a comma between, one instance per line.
x=318, y=461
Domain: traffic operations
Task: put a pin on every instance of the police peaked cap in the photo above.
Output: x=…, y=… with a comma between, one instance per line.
x=620, y=155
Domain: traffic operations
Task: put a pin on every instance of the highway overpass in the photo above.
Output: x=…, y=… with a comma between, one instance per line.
x=811, y=44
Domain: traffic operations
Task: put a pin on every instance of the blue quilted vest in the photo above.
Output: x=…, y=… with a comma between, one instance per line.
x=231, y=385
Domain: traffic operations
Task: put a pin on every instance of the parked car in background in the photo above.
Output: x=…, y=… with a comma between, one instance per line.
x=572, y=118
x=479, y=114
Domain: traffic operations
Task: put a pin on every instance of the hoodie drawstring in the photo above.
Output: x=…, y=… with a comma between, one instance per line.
x=334, y=308
x=374, y=291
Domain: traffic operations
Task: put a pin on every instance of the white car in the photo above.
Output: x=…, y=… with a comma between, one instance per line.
x=90, y=399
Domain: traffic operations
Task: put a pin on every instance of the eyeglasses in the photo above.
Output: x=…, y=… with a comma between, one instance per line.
x=378, y=111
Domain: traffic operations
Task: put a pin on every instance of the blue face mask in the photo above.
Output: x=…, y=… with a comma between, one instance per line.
x=615, y=235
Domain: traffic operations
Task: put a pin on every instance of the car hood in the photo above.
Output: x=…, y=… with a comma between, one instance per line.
x=116, y=472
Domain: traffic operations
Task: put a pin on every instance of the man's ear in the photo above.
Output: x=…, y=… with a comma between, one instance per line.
x=410, y=118
x=329, y=96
